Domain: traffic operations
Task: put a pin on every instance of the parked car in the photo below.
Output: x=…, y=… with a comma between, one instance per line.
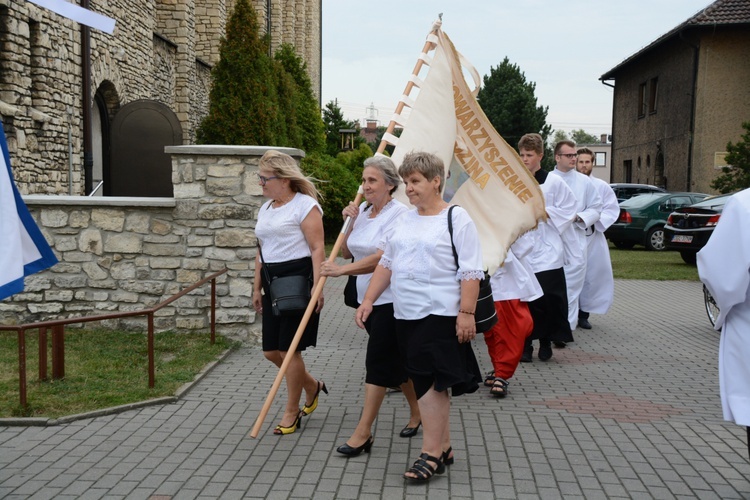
x=625, y=191
x=642, y=218
x=688, y=229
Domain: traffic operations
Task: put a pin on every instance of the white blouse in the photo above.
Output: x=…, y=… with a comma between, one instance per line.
x=368, y=236
x=424, y=278
x=515, y=279
x=279, y=230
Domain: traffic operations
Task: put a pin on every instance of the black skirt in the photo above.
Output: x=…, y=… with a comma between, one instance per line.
x=550, y=311
x=384, y=361
x=435, y=357
x=278, y=331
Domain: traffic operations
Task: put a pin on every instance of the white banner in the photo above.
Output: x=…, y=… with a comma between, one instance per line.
x=484, y=174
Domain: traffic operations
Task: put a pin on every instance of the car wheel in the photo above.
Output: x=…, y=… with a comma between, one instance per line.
x=688, y=257
x=624, y=245
x=655, y=239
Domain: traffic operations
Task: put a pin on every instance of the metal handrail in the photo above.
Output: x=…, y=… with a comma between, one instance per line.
x=58, y=325
x=93, y=191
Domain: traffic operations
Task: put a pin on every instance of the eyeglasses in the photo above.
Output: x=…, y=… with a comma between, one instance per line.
x=263, y=179
x=569, y=156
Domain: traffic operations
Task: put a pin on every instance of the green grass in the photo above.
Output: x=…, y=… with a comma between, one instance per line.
x=641, y=264
x=102, y=369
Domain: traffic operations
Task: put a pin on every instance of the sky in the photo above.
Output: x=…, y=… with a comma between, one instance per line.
x=370, y=48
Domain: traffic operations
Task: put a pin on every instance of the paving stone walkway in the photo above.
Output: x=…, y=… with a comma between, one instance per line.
x=630, y=410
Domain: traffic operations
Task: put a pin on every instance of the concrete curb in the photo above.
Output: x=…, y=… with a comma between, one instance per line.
x=179, y=393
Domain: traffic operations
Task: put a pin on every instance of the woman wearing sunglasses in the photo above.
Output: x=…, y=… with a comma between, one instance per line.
x=290, y=241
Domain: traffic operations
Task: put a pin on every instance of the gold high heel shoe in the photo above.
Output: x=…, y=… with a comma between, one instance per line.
x=307, y=410
x=282, y=431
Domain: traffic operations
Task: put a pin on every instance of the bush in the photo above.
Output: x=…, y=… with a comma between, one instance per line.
x=337, y=185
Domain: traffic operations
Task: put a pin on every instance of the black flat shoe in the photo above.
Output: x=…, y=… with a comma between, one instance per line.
x=349, y=451
x=409, y=432
x=545, y=351
x=526, y=357
x=584, y=323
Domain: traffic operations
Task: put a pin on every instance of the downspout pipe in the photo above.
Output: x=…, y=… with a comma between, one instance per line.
x=320, y=62
x=693, y=104
x=612, y=142
x=88, y=154
x=268, y=27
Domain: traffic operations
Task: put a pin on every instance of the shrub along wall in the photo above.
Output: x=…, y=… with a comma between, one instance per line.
x=125, y=254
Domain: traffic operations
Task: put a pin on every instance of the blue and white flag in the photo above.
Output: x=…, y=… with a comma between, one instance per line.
x=23, y=249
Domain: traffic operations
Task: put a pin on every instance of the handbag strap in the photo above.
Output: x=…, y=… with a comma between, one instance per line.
x=450, y=231
x=263, y=265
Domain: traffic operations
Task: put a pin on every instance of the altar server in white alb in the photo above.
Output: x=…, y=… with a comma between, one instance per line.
x=588, y=209
x=599, y=285
x=724, y=267
x=550, y=311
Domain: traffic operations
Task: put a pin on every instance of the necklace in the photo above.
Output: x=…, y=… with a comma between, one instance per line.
x=282, y=202
x=376, y=211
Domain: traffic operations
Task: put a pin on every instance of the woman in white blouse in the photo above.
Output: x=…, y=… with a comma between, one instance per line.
x=433, y=303
x=290, y=239
x=374, y=220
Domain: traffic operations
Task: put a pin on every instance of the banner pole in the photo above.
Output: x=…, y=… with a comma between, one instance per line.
x=428, y=46
x=303, y=324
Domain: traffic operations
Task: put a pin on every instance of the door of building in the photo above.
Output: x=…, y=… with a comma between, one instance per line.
x=138, y=164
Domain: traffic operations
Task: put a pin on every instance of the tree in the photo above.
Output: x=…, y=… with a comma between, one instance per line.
x=580, y=136
x=560, y=135
x=737, y=175
x=337, y=186
x=509, y=102
x=244, y=105
x=334, y=120
x=309, y=126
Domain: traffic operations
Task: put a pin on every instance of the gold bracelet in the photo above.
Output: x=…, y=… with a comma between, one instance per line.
x=466, y=312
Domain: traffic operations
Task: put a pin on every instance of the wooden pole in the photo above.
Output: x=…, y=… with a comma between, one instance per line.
x=409, y=86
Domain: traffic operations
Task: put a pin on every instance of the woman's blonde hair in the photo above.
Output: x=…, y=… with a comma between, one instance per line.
x=283, y=166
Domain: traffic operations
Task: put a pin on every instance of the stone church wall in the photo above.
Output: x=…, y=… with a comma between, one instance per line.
x=126, y=254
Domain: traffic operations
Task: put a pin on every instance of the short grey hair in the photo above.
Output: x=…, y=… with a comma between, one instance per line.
x=422, y=162
x=387, y=170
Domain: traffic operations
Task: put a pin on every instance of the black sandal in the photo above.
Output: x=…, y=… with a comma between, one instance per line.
x=424, y=471
x=489, y=379
x=447, y=458
x=499, y=387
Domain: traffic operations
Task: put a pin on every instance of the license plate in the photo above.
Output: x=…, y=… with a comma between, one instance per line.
x=681, y=238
